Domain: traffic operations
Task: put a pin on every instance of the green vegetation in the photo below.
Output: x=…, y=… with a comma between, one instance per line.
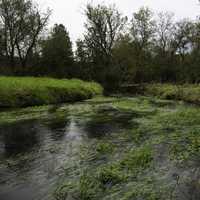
x=138, y=158
x=104, y=148
x=148, y=47
x=188, y=92
x=23, y=92
x=133, y=148
x=153, y=159
x=186, y=147
x=30, y=113
x=93, y=183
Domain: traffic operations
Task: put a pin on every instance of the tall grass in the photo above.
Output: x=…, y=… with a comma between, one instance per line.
x=188, y=92
x=29, y=91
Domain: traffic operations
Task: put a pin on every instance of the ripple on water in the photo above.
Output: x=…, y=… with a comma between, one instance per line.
x=33, y=152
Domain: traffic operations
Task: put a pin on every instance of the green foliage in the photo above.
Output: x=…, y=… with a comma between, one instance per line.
x=138, y=158
x=110, y=175
x=180, y=118
x=142, y=28
x=124, y=56
x=104, y=148
x=97, y=150
x=152, y=48
x=103, y=26
x=145, y=192
x=88, y=187
x=188, y=92
x=138, y=135
x=63, y=192
x=154, y=159
x=185, y=147
x=22, y=92
x=57, y=53
x=21, y=22
x=91, y=185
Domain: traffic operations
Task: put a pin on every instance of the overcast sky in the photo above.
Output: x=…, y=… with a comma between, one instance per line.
x=70, y=12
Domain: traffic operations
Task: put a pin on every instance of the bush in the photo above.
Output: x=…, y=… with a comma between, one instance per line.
x=188, y=93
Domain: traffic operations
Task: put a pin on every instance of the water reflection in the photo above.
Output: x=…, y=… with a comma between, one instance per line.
x=107, y=121
x=33, y=153
x=57, y=127
x=19, y=137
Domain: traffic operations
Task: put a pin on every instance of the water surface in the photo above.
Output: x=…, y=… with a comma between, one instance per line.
x=35, y=152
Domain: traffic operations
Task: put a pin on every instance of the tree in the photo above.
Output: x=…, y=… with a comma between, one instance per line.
x=191, y=60
x=164, y=31
x=83, y=60
x=57, y=52
x=164, y=56
x=22, y=24
x=2, y=48
x=82, y=55
x=143, y=28
x=103, y=26
x=124, y=57
x=142, y=31
x=182, y=37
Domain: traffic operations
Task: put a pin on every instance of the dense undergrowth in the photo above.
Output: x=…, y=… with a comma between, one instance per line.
x=157, y=158
x=187, y=92
x=28, y=91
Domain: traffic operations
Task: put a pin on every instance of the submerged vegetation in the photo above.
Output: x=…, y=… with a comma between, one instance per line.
x=130, y=148
x=154, y=159
x=28, y=91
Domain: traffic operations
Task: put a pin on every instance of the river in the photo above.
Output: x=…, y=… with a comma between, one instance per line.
x=34, y=153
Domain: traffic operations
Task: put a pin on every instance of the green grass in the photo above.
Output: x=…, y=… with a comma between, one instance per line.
x=185, y=147
x=29, y=91
x=188, y=92
x=138, y=158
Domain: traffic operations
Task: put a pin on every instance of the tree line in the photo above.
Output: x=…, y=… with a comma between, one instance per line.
x=114, y=50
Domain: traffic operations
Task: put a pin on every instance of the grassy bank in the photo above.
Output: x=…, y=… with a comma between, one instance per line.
x=29, y=91
x=188, y=92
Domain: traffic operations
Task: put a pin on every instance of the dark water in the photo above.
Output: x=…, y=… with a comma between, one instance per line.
x=34, y=153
